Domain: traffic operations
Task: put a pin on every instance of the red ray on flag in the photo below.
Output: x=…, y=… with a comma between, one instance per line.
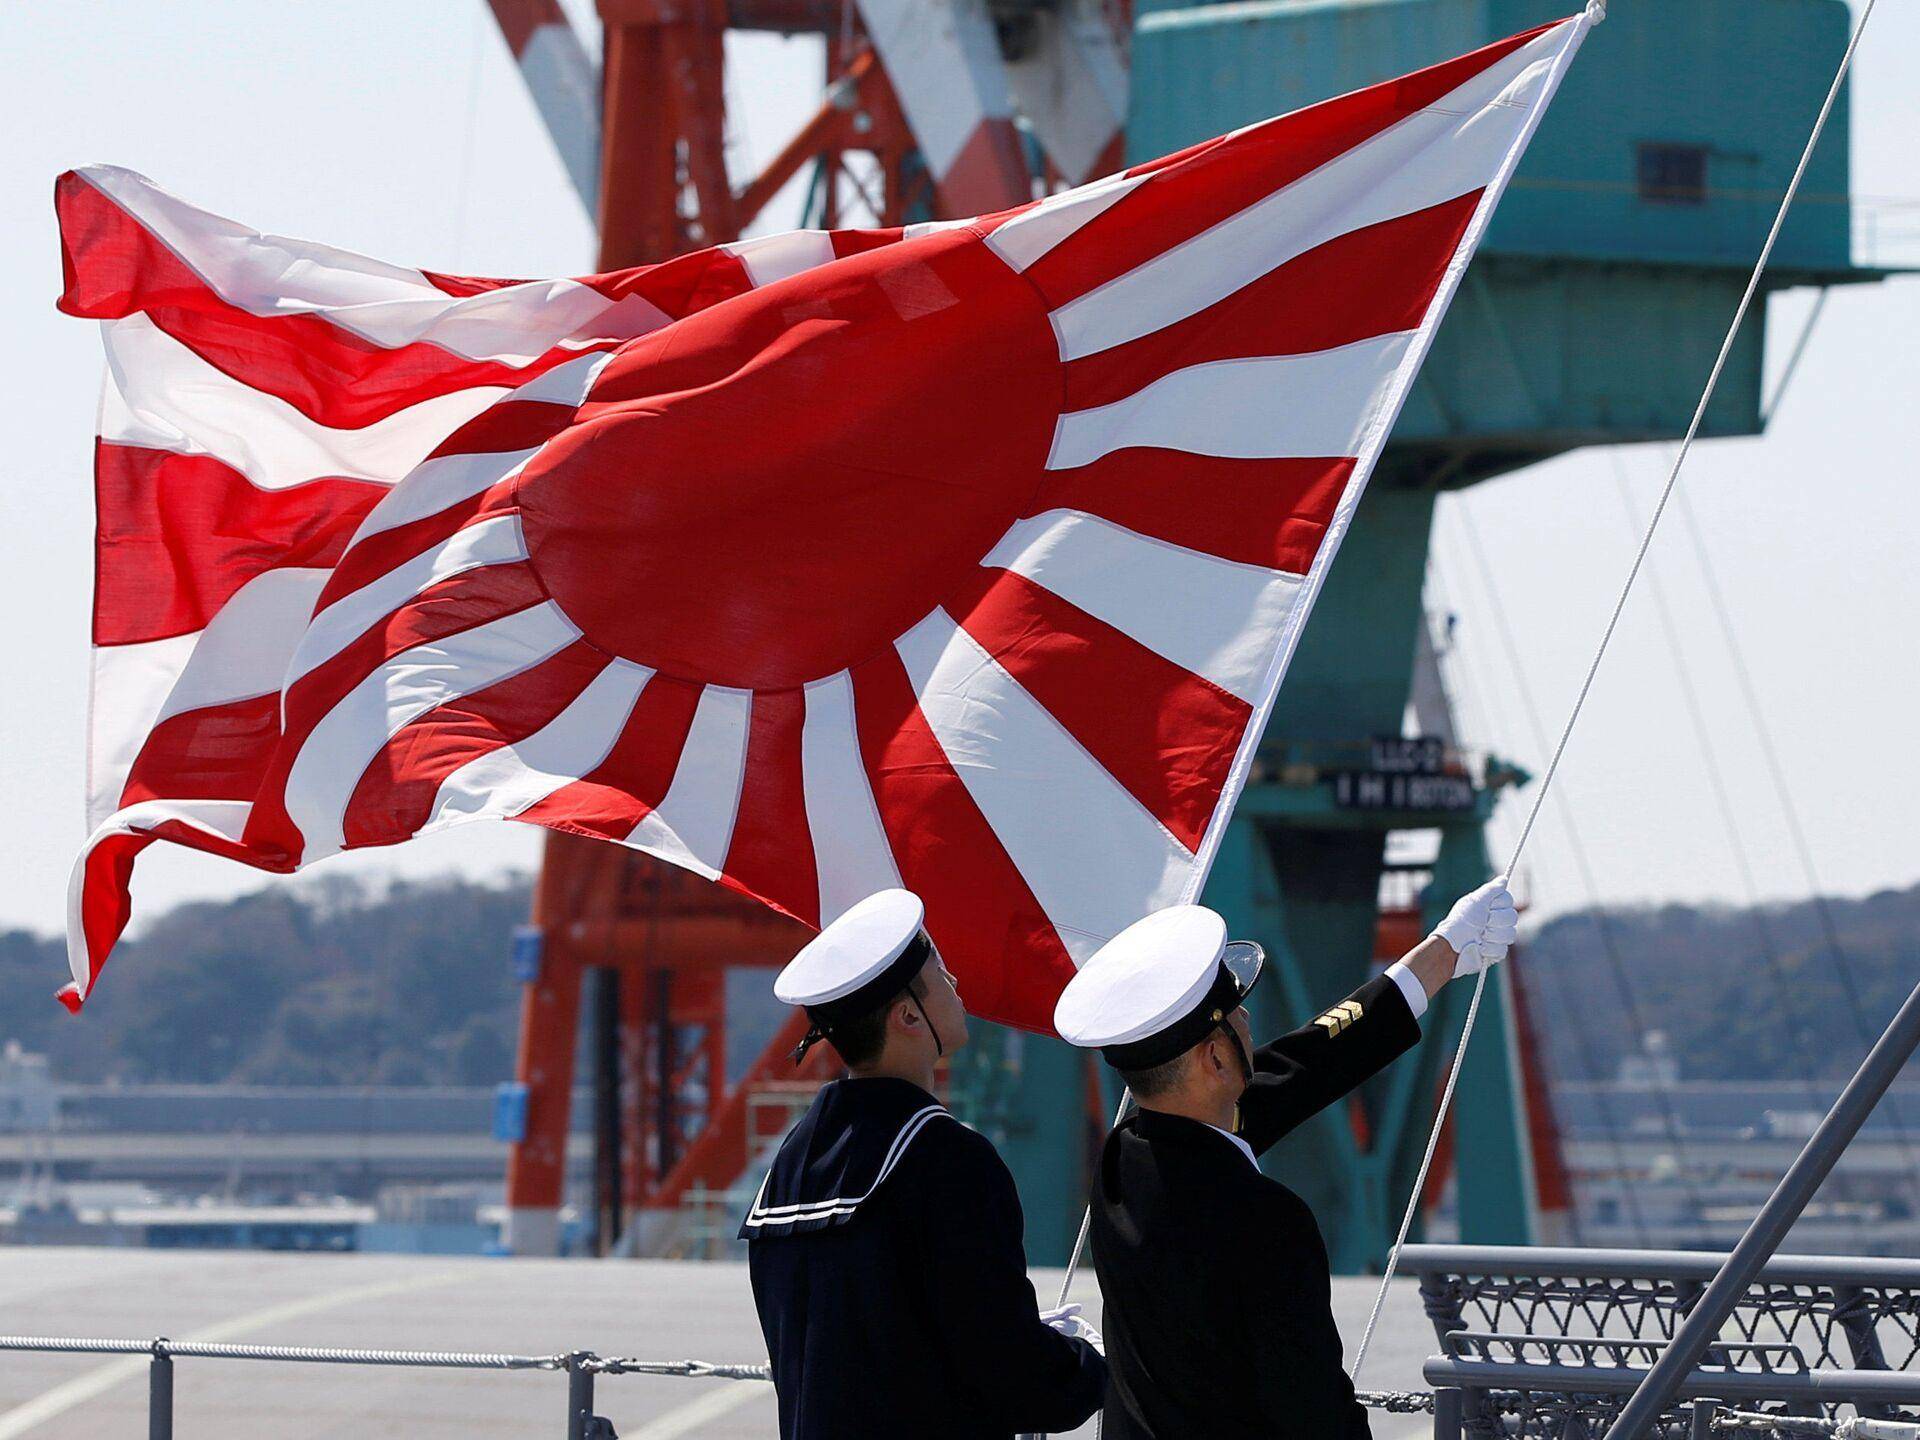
x=967, y=557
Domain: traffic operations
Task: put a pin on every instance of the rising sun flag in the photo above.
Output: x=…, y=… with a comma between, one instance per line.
x=967, y=556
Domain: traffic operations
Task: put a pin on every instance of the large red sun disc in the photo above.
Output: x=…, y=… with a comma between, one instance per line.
x=776, y=488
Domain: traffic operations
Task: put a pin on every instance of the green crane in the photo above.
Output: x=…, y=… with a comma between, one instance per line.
x=1590, y=317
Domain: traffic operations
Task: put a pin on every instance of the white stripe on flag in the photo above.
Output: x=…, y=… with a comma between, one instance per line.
x=933, y=227
x=241, y=653
x=850, y=846
x=1093, y=856
x=1216, y=618
x=163, y=396
x=693, y=824
x=244, y=650
x=514, y=325
x=435, y=484
x=390, y=305
x=1450, y=149
x=1261, y=407
x=263, y=274
x=776, y=257
x=1032, y=233
x=568, y=383
x=496, y=541
x=130, y=684
x=331, y=761
x=503, y=782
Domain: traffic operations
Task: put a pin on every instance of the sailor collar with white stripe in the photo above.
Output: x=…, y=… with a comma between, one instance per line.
x=840, y=1155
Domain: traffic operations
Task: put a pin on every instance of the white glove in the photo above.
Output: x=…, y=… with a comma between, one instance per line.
x=1480, y=927
x=1070, y=1322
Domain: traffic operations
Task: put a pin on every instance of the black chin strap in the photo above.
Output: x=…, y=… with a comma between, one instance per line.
x=1240, y=1049
x=815, y=1035
x=812, y=1038
x=939, y=1050
x=1246, y=1065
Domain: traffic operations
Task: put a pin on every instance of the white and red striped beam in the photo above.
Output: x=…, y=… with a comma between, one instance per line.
x=959, y=93
x=564, y=83
x=1072, y=88
x=944, y=60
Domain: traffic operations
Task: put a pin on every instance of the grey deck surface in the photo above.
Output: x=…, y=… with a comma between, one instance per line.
x=654, y=1309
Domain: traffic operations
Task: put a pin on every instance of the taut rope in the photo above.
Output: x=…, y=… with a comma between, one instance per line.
x=1613, y=621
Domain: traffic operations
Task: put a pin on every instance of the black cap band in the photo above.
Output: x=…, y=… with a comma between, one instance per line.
x=1221, y=1000
x=868, y=997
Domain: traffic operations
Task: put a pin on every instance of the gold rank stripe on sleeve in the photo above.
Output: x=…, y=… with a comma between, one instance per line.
x=1339, y=1017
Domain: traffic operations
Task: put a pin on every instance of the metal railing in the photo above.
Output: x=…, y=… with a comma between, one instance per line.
x=1535, y=1343
x=581, y=1368
x=1540, y=1342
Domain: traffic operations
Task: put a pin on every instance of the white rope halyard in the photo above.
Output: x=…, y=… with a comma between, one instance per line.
x=1613, y=621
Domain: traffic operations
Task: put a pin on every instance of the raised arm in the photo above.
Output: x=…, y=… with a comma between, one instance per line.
x=1302, y=1072
x=1305, y=1070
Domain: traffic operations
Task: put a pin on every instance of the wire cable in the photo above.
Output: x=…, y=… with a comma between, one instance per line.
x=1772, y=405
x=1783, y=791
x=1604, y=932
x=1454, y=658
x=1599, y=654
x=1770, y=953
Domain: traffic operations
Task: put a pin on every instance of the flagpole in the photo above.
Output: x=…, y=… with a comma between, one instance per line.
x=1823, y=1150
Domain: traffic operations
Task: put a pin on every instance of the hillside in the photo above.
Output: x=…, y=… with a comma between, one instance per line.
x=1702, y=975
x=320, y=982
x=326, y=982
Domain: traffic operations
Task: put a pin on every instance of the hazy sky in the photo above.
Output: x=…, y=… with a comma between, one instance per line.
x=402, y=130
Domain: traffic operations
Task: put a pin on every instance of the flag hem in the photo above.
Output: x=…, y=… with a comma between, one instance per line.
x=1368, y=456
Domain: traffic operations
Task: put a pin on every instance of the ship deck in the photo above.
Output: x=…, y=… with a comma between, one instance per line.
x=657, y=1310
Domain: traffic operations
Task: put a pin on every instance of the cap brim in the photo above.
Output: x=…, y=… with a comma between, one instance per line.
x=1244, y=960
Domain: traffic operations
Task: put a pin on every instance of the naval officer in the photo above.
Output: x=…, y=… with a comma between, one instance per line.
x=1218, y=1311
x=886, y=1244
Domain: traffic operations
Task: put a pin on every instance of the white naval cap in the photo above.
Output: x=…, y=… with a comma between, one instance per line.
x=861, y=960
x=1156, y=989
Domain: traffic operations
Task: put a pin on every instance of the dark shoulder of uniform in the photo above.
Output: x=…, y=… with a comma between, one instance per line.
x=950, y=1150
x=951, y=1166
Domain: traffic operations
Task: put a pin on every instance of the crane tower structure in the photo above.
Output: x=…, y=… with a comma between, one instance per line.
x=1591, y=316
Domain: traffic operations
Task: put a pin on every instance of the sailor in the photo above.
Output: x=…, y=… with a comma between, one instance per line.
x=1214, y=1276
x=886, y=1243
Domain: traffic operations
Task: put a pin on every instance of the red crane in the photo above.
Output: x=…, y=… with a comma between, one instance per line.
x=645, y=145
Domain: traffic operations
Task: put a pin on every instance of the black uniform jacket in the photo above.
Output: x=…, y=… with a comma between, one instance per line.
x=888, y=1266
x=1218, y=1315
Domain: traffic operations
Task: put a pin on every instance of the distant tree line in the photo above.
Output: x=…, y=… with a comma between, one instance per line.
x=330, y=981
x=1741, y=994
x=321, y=982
